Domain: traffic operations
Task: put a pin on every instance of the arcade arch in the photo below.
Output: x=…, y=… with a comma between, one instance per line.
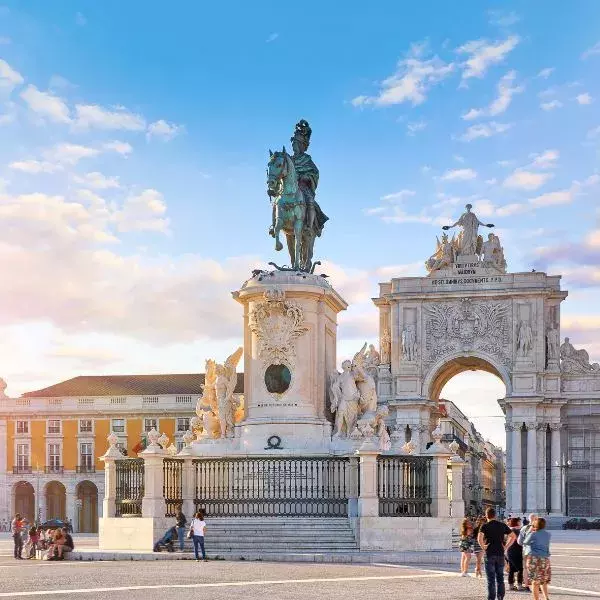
x=24, y=500
x=87, y=506
x=56, y=500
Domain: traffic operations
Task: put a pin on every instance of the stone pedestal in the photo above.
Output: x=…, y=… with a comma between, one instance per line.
x=290, y=333
x=457, y=501
x=153, y=502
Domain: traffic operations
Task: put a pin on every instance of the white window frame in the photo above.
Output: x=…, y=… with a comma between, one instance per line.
x=27, y=455
x=155, y=426
x=112, y=421
x=48, y=432
x=58, y=454
x=179, y=419
x=91, y=431
x=27, y=426
x=91, y=455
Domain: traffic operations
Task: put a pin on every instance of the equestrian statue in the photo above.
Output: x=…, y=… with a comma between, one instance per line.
x=292, y=184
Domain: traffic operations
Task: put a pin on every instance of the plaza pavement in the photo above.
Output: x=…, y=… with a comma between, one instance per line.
x=576, y=567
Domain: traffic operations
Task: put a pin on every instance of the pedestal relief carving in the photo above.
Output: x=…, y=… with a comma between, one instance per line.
x=277, y=323
x=467, y=325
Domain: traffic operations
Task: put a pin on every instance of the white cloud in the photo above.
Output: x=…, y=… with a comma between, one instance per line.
x=501, y=18
x=46, y=104
x=505, y=93
x=595, y=49
x=80, y=19
x=553, y=198
x=552, y=105
x=58, y=82
x=594, y=133
x=122, y=148
x=412, y=80
x=526, y=180
x=483, y=54
x=144, y=212
x=545, y=73
x=398, y=196
x=459, y=175
x=97, y=181
x=163, y=130
x=545, y=160
x=484, y=130
x=9, y=78
x=414, y=127
x=584, y=98
x=492, y=181
x=272, y=38
x=89, y=116
x=33, y=167
x=69, y=154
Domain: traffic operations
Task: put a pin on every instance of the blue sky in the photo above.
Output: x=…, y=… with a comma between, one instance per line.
x=133, y=145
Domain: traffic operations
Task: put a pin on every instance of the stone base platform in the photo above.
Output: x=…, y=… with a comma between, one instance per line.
x=443, y=557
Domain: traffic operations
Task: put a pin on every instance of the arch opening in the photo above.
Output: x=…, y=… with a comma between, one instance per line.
x=56, y=501
x=87, y=507
x=24, y=500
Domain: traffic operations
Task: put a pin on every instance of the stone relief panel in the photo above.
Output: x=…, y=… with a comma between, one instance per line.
x=277, y=323
x=467, y=325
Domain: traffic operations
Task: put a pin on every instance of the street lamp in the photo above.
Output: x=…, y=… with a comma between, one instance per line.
x=563, y=465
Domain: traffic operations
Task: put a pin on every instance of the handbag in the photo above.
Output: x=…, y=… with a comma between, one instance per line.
x=190, y=533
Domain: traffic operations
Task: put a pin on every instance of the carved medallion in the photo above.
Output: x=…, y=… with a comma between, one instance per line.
x=277, y=323
x=467, y=326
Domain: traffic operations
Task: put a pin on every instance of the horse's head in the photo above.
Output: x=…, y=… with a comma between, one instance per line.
x=277, y=171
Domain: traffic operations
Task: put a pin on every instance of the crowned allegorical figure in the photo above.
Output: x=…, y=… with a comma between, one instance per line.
x=469, y=242
x=293, y=188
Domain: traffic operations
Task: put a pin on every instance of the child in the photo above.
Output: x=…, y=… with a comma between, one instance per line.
x=465, y=546
x=32, y=543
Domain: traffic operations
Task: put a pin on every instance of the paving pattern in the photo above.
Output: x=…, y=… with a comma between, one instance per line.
x=576, y=568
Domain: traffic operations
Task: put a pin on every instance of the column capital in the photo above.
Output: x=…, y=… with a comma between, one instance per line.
x=531, y=425
x=556, y=426
x=512, y=426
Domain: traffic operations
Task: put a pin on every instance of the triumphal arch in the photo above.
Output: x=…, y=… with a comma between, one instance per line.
x=469, y=313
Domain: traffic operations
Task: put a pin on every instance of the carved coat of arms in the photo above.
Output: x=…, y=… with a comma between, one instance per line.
x=466, y=325
x=277, y=323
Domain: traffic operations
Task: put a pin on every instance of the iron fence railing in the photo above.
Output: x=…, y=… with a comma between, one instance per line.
x=258, y=487
x=129, y=487
x=403, y=486
x=172, y=485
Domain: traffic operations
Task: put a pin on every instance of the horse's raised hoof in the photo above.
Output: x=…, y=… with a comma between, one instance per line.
x=278, y=246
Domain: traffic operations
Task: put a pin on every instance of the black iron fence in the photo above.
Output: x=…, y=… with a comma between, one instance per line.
x=172, y=485
x=129, y=487
x=403, y=486
x=259, y=487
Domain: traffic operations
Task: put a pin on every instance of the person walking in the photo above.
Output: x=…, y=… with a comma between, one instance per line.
x=514, y=555
x=540, y=572
x=180, y=523
x=197, y=529
x=522, y=535
x=465, y=546
x=477, y=549
x=17, y=527
x=493, y=537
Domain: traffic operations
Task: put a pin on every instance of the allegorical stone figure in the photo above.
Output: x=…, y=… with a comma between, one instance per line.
x=552, y=341
x=444, y=255
x=344, y=401
x=524, y=338
x=409, y=343
x=468, y=238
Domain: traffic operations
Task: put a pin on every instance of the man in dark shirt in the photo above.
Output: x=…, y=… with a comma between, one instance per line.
x=180, y=523
x=493, y=537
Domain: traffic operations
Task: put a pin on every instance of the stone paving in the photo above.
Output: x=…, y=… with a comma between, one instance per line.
x=576, y=566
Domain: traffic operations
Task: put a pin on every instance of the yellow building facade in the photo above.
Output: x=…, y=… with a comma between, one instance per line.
x=52, y=439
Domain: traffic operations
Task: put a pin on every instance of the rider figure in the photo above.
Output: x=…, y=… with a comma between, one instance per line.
x=306, y=170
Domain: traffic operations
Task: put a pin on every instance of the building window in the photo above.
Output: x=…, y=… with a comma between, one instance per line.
x=183, y=424
x=86, y=426
x=54, y=456
x=86, y=457
x=22, y=426
x=53, y=426
x=180, y=445
x=118, y=425
x=23, y=456
x=150, y=424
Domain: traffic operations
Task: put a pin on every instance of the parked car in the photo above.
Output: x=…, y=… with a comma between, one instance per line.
x=577, y=523
x=595, y=524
